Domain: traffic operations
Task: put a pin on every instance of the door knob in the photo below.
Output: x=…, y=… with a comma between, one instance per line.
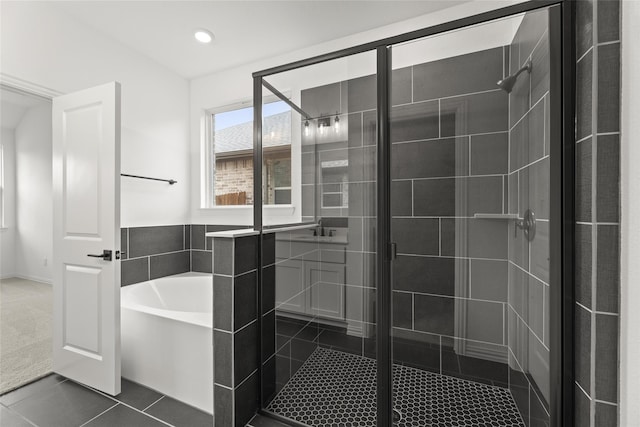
x=106, y=255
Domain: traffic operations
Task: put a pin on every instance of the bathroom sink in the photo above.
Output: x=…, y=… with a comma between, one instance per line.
x=321, y=239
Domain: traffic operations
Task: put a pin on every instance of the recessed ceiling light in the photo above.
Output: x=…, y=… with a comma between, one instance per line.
x=203, y=36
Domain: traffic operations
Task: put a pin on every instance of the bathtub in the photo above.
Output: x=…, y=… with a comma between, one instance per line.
x=166, y=335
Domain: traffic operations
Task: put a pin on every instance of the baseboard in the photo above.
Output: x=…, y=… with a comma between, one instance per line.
x=34, y=278
x=485, y=351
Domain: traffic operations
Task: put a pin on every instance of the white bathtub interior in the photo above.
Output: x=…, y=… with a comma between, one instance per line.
x=167, y=337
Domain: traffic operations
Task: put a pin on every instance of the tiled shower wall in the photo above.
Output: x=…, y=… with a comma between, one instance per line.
x=597, y=212
x=439, y=159
x=159, y=251
x=528, y=314
x=449, y=162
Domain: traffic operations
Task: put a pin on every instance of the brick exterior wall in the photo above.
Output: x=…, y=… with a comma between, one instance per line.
x=235, y=175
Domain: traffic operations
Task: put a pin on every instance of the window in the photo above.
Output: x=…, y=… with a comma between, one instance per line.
x=230, y=156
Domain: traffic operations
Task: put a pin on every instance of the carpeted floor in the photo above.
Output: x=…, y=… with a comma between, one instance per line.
x=25, y=331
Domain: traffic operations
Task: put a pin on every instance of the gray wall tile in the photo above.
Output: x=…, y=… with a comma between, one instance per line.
x=451, y=76
x=583, y=181
x=489, y=279
x=401, y=85
x=606, y=358
x=608, y=269
x=582, y=343
x=430, y=275
x=155, y=240
x=401, y=198
x=582, y=408
x=583, y=264
x=201, y=261
x=361, y=93
x=416, y=235
x=223, y=256
x=540, y=71
x=197, y=236
x=134, y=271
x=434, y=197
x=124, y=243
x=187, y=237
x=608, y=21
x=584, y=26
x=222, y=302
x=539, y=252
x=223, y=356
x=608, y=87
x=245, y=309
x=606, y=415
x=402, y=310
x=412, y=122
x=321, y=100
x=608, y=182
x=245, y=352
x=584, y=99
x=169, y=264
x=434, y=314
x=478, y=113
x=489, y=153
x=484, y=320
x=428, y=159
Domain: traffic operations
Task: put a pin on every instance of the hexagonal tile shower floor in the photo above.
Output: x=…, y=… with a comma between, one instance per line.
x=334, y=388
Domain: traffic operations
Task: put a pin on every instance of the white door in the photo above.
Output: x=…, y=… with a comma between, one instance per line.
x=86, y=223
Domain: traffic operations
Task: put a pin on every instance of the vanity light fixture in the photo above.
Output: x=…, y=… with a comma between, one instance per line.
x=203, y=36
x=336, y=123
x=306, y=128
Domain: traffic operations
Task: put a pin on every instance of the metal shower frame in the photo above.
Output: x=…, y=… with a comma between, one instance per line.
x=562, y=190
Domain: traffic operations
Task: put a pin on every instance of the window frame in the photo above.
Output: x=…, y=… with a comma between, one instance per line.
x=208, y=159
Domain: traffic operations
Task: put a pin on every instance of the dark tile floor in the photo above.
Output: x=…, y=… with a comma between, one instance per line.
x=55, y=401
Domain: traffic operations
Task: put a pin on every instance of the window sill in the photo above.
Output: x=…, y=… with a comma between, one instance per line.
x=248, y=207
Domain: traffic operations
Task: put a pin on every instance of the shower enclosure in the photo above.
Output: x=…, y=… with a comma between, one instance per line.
x=426, y=276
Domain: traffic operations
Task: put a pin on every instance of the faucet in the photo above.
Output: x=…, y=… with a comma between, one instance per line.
x=315, y=231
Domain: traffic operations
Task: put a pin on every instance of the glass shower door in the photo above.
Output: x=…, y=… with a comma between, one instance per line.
x=319, y=326
x=470, y=217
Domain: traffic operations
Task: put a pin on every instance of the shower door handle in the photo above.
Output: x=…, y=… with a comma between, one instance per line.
x=393, y=251
x=106, y=255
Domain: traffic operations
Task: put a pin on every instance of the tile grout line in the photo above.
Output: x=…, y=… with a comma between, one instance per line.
x=122, y=403
x=158, y=400
x=101, y=413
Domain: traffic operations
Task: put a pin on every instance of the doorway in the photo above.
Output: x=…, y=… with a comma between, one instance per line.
x=26, y=249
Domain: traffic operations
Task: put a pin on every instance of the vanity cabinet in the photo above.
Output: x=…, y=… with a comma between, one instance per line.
x=313, y=284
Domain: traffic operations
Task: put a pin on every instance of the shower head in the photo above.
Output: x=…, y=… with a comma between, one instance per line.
x=509, y=82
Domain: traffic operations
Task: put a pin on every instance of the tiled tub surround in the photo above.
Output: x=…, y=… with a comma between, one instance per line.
x=597, y=236
x=529, y=188
x=159, y=251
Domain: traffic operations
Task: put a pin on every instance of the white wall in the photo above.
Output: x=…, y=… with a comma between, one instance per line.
x=34, y=203
x=234, y=85
x=630, y=226
x=41, y=45
x=8, y=233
